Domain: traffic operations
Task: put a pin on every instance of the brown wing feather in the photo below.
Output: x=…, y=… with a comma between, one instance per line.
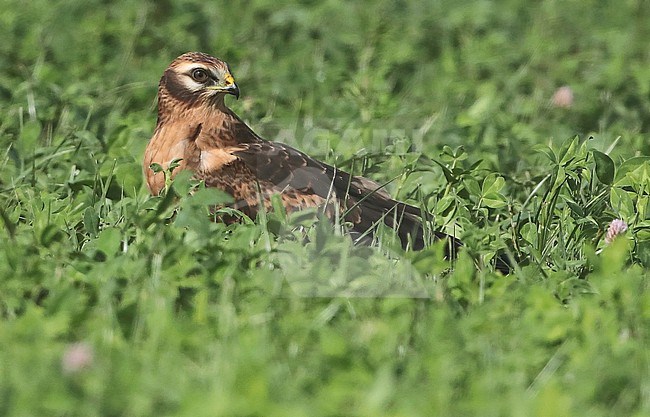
x=364, y=203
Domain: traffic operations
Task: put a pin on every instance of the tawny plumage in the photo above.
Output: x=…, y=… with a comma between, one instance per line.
x=195, y=126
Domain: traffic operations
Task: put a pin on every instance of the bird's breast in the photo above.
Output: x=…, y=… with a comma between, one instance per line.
x=169, y=143
x=197, y=146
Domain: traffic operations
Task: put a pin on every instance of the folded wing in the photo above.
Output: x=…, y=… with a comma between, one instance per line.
x=363, y=203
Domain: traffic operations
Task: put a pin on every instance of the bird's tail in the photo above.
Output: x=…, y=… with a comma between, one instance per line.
x=368, y=205
x=375, y=207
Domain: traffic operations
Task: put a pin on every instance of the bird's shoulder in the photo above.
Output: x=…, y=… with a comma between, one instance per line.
x=286, y=167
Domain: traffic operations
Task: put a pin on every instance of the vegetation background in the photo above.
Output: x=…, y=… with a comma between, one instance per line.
x=522, y=125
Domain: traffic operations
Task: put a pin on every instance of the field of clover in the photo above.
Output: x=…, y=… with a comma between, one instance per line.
x=522, y=128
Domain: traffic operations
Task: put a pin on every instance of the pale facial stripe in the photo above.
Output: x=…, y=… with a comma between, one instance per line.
x=184, y=70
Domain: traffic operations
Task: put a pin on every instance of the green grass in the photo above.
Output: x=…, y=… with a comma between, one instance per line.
x=114, y=303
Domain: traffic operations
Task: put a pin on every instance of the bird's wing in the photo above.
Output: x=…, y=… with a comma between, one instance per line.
x=364, y=202
x=286, y=168
x=290, y=169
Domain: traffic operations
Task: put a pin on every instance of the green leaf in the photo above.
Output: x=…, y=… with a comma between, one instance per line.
x=444, y=203
x=156, y=167
x=91, y=221
x=494, y=200
x=182, y=182
x=472, y=186
x=622, y=202
x=642, y=231
x=560, y=178
x=605, y=169
x=568, y=151
x=493, y=183
x=577, y=209
x=529, y=233
x=643, y=252
x=109, y=241
x=174, y=164
x=547, y=151
x=205, y=196
x=630, y=165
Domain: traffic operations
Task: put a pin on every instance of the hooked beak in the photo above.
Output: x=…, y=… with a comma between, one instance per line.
x=234, y=90
x=228, y=86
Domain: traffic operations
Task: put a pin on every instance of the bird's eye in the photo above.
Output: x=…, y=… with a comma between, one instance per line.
x=200, y=75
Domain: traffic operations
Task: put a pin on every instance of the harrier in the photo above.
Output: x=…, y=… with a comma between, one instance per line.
x=196, y=127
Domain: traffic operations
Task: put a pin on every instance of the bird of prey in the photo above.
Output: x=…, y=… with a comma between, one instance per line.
x=196, y=127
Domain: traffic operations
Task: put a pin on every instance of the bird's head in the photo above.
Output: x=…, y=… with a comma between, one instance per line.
x=197, y=78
